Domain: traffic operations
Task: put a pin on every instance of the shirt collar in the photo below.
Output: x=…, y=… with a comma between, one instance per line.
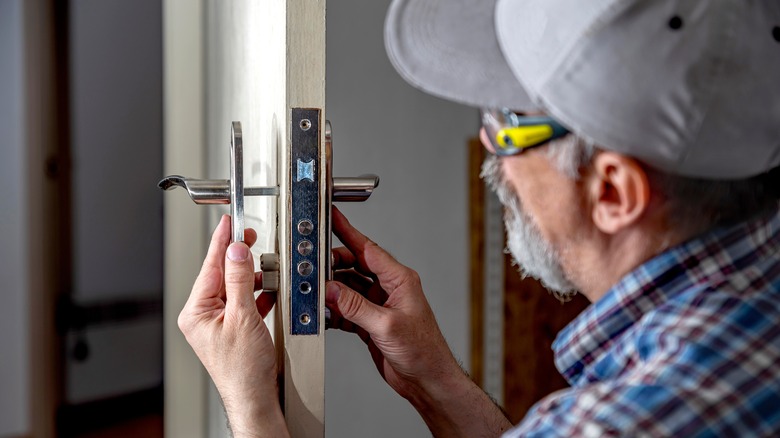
x=701, y=260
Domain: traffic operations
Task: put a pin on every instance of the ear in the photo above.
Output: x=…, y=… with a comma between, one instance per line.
x=619, y=191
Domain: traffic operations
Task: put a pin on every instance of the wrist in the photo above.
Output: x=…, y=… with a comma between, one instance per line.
x=436, y=396
x=459, y=407
x=247, y=423
x=255, y=415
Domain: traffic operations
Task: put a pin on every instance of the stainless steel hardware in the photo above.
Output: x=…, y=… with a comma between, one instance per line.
x=305, y=268
x=217, y=191
x=355, y=189
x=305, y=177
x=305, y=247
x=237, y=182
x=305, y=227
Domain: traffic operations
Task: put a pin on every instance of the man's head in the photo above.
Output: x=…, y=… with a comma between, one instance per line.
x=672, y=105
x=579, y=217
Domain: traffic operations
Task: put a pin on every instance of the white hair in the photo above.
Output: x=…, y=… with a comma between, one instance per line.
x=693, y=205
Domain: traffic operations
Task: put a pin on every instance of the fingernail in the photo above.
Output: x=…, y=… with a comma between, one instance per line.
x=332, y=292
x=238, y=252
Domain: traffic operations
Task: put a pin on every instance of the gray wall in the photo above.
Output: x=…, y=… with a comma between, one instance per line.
x=417, y=144
x=116, y=144
x=14, y=397
x=116, y=89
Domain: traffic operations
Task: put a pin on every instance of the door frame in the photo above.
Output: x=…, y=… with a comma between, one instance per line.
x=184, y=90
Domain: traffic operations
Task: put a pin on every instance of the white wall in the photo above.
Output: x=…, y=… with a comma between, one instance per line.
x=417, y=145
x=14, y=397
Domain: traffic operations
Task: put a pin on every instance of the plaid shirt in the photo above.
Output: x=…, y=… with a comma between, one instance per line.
x=686, y=345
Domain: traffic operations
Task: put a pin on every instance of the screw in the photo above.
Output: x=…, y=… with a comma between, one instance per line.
x=305, y=247
x=305, y=268
x=305, y=227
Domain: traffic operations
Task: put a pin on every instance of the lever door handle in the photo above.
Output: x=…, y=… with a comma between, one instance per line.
x=217, y=191
x=304, y=303
x=354, y=189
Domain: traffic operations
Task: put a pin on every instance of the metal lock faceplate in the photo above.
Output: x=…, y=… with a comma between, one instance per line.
x=305, y=209
x=305, y=196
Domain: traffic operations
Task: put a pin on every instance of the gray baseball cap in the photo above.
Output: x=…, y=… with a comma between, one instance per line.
x=691, y=87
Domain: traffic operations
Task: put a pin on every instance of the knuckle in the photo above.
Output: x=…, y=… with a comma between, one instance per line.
x=373, y=251
x=183, y=322
x=413, y=277
x=350, y=304
x=239, y=276
x=409, y=278
x=392, y=326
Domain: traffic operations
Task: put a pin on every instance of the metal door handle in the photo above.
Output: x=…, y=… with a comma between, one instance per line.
x=232, y=191
x=217, y=191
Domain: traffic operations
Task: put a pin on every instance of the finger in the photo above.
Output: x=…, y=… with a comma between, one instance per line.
x=362, y=285
x=220, y=240
x=370, y=256
x=338, y=322
x=258, y=281
x=354, y=280
x=209, y=281
x=343, y=258
x=354, y=307
x=250, y=237
x=265, y=302
x=239, y=278
x=377, y=295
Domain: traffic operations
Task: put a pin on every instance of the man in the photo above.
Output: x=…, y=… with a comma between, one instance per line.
x=635, y=143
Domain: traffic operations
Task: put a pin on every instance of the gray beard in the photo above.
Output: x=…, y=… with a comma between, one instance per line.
x=533, y=255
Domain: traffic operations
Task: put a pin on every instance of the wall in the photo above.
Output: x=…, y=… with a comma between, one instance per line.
x=116, y=144
x=417, y=145
x=14, y=397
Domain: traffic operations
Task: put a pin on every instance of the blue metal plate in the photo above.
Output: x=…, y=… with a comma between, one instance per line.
x=305, y=205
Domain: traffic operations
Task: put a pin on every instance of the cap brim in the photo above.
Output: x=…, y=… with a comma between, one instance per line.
x=449, y=48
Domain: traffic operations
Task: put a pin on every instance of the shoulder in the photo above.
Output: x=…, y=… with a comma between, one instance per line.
x=704, y=361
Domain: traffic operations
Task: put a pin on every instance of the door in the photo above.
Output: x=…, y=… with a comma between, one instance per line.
x=262, y=64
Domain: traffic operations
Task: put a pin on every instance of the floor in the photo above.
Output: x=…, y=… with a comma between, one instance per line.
x=147, y=427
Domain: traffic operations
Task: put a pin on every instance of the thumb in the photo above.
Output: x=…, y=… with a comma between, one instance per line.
x=239, y=277
x=353, y=306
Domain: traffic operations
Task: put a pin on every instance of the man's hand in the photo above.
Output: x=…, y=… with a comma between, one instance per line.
x=223, y=323
x=382, y=301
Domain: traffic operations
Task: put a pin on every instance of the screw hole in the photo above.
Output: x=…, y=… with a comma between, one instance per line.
x=305, y=287
x=675, y=23
x=305, y=124
x=305, y=319
x=776, y=33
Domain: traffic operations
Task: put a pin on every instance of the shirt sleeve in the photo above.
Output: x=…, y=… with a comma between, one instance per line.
x=597, y=410
x=644, y=405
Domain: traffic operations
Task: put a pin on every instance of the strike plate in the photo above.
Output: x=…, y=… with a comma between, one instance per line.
x=305, y=206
